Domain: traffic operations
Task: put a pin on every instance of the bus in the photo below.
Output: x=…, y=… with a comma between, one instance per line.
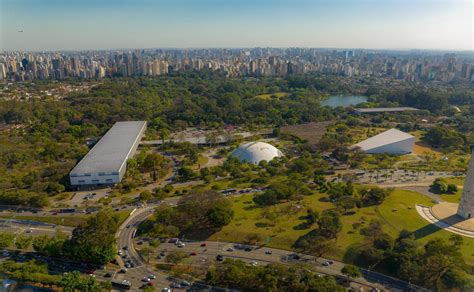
x=121, y=284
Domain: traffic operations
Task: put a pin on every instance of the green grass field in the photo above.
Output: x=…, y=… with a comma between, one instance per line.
x=281, y=225
x=270, y=95
x=454, y=198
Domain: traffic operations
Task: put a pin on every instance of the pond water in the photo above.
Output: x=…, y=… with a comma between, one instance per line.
x=343, y=100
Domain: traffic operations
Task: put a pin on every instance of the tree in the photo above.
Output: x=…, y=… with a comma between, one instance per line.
x=176, y=256
x=314, y=243
x=221, y=213
x=236, y=274
x=23, y=242
x=145, y=196
x=185, y=173
x=351, y=271
x=374, y=230
x=346, y=203
x=164, y=134
x=457, y=240
x=253, y=238
x=94, y=240
x=374, y=195
x=320, y=182
x=329, y=223
x=312, y=216
x=439, y=186
x=40, y=243
x=6, y=240
x=73, y=281
x=452, y=189
x=338, y=190
x=145, y=253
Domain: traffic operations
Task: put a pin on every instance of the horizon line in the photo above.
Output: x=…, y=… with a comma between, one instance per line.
x=238, y=48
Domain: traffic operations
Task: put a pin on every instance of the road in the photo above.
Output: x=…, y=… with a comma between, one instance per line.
x=32, y=227
x=125, y=236
x=261, y=255
x=208, y=254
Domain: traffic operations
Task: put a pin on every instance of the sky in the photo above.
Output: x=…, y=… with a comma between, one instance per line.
x=106, y=24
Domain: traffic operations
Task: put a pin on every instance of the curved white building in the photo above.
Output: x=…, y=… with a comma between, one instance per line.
x=254, y=152
x=392, y=141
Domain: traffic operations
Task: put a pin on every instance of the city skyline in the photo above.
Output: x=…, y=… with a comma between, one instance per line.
x=101, y=25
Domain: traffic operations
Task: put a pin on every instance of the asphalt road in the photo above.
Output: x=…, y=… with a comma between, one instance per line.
x=125, y=236
x=32, y=228
x=206, y=255
x=258, y=255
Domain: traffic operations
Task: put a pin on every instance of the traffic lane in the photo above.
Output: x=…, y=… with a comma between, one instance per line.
x=136, y=274
x=35, y=231
x=209, y=253
x=257, y=253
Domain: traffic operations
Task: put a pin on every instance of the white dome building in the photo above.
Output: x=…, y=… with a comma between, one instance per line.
x=254, y=152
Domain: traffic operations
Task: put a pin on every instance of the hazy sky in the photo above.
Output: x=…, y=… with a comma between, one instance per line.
x=103, y=24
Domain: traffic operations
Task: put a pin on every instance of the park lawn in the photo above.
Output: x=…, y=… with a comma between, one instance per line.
x=270, y=95
x=397, y=213
x=202, y=161
x=454, y=198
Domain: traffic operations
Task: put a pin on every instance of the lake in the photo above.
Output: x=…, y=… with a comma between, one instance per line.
x=343, y=100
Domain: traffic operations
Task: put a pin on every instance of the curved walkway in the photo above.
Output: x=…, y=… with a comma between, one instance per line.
x=425, y=212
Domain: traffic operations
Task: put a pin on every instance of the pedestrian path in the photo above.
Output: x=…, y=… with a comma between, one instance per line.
x=426, y=213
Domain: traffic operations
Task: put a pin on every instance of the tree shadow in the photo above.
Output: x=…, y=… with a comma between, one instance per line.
x=199, y=234
x=263, y=224
x=250, y=208
x=301, y=226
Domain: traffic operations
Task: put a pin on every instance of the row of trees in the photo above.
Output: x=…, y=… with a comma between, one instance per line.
x=37, y=272
x=236, y=274
x=437, y=264
x=93, y=241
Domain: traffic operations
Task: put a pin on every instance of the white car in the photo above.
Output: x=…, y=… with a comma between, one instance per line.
x=180, y=244
x=253, y=263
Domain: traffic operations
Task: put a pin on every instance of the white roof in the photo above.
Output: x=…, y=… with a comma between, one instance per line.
x=384, y=138
x=112, y=150
x=254, y=152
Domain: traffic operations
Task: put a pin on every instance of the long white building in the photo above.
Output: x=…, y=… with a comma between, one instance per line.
x=106, y=162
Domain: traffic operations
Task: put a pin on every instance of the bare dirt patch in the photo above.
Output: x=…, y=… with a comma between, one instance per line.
x=311, y=132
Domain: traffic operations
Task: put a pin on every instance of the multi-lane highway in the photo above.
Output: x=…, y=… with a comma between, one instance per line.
x=29, y=227
x=125, y=236
x=207, y=254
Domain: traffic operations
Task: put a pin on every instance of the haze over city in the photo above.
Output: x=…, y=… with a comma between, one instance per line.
x=88, y=24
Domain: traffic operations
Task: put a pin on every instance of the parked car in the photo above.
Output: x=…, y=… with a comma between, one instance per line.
x=220, y=258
